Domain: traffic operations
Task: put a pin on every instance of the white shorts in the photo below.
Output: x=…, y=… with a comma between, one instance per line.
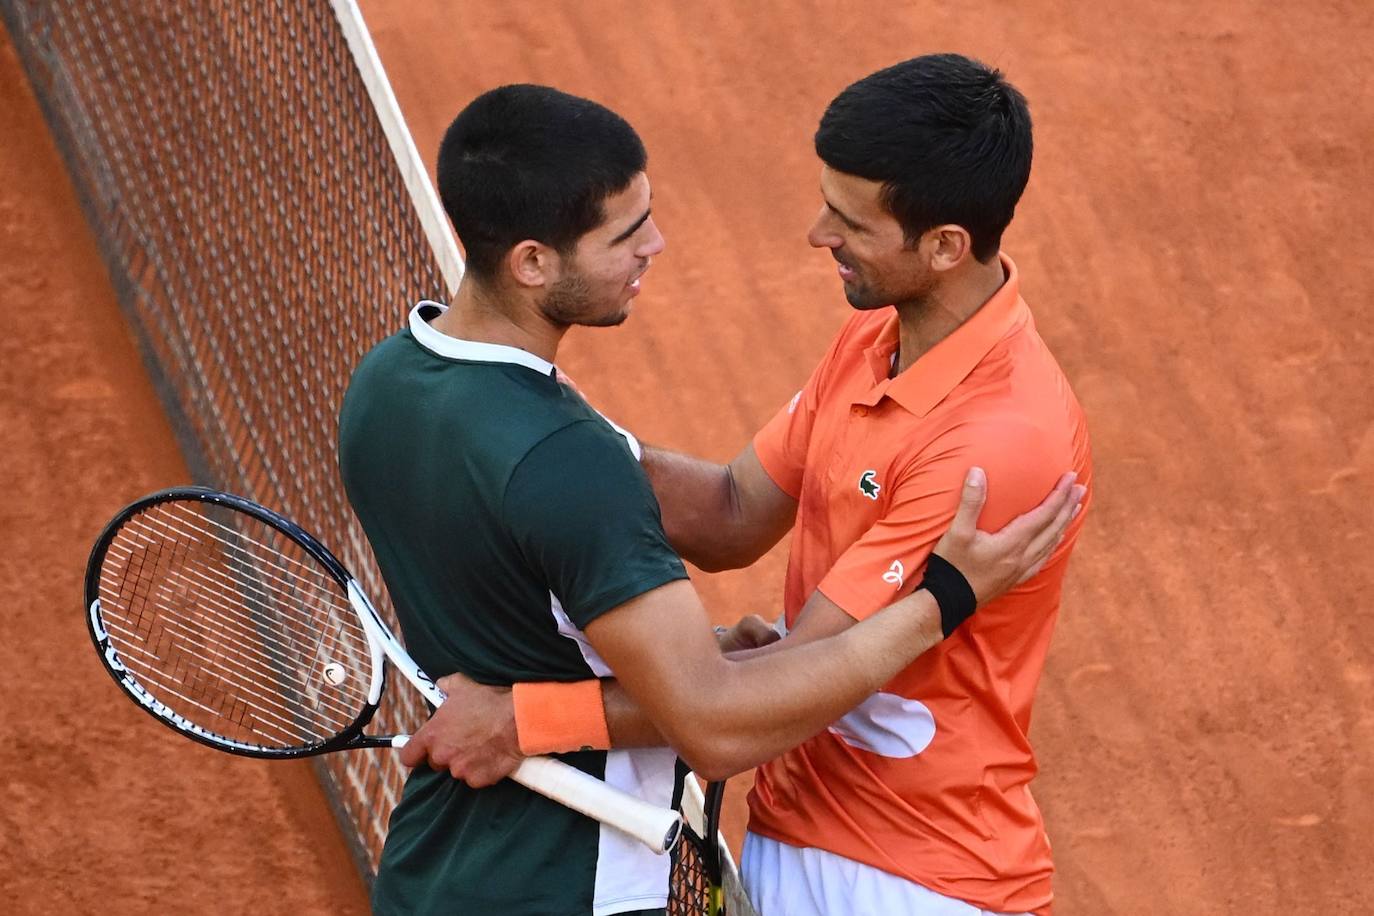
x=787, y=880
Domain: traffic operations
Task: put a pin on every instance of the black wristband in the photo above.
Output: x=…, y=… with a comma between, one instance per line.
x=951, y=592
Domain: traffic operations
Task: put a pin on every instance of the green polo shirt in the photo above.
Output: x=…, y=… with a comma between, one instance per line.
x=505, y=515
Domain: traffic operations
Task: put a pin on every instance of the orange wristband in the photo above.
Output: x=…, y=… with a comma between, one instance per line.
x=555, y=717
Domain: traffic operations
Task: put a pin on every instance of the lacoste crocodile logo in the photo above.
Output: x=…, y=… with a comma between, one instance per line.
x=868, y=486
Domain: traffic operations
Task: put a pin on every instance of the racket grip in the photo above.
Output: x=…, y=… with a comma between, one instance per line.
x=657, y=828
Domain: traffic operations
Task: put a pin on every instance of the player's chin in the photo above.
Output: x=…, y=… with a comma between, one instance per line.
x=608, y=319
x=863, y=299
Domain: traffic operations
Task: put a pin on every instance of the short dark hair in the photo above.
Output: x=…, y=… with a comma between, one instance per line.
x=949, y=138
x=530, y=162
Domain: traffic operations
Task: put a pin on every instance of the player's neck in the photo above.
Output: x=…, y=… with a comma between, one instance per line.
x=928, y=320
x=481, y=314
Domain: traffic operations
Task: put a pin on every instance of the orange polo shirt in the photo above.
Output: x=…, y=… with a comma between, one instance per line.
x=929, y=778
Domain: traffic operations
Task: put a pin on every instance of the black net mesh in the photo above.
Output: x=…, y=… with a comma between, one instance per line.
x=259, y=232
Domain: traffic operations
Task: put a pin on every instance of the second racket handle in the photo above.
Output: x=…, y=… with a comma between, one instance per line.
x=656, y=827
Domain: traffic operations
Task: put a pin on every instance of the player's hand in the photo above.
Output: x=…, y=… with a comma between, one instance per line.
x=752, y=632
x=994, y=562
x=472, y=735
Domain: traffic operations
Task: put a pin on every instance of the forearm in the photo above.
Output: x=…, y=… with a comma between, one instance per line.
x=724, y=714
x=763, y=705
x=629, y=725
x=743, y=720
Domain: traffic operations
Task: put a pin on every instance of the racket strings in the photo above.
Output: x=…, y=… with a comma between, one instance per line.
x=689, y=885
x=212, y=583
x=170, y=684
x=235, y=635
x=234, y=626
x=292, y=573
x=232, y=663
x=290, y=591
x=227, y=658
x=227, y=640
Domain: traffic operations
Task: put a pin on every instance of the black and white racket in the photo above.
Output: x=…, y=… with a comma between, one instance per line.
x=232, y=625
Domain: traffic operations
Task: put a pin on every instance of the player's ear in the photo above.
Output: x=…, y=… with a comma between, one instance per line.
x=949, y=245
x=533, y=264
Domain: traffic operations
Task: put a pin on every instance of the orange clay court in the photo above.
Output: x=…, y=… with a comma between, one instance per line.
x=1191, y=246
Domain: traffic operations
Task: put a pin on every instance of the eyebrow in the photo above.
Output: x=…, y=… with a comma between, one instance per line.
x=845, y=217
x=632, y=230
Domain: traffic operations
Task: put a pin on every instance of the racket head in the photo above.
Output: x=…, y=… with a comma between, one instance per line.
x=232, y=625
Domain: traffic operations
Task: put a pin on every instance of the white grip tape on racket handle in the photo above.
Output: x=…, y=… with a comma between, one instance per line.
x=657, y=828
x=654, y=826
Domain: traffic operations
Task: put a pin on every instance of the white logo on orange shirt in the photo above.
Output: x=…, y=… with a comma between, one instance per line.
x=895, y=574
x=792, y=406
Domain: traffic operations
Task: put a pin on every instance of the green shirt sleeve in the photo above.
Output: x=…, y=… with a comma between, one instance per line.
x=582, y=512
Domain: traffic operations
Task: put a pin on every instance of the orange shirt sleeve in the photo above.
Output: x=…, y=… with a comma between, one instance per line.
x=888, y=560
x=783, y=442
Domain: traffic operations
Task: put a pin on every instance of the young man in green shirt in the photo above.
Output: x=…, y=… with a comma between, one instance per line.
x=521, y=541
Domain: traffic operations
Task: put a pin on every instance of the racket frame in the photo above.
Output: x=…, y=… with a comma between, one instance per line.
x=348, y=737
x=657, y=828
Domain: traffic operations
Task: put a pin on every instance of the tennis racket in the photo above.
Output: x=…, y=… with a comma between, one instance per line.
x=704, y=881
x=233, y=626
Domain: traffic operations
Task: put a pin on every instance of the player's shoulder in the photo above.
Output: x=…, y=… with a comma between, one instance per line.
x=372, y=379
x=580, y=447
x=383, y=352
x=585, y=469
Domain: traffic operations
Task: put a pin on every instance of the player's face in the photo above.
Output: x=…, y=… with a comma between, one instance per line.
x=876, y=264
x=601, y=274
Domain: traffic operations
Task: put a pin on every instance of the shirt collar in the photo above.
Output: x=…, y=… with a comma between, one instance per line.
x=937, y=372
x=471, y=350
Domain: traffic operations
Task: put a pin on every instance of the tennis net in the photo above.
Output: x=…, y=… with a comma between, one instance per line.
x=265, y=220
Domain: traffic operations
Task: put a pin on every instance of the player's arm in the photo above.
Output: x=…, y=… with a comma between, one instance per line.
x=484, y=731
x=727, y=516
x=718, y=516
x=725, y=715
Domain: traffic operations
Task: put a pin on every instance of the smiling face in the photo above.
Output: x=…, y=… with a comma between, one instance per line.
x=600, y=275
x=877, y=264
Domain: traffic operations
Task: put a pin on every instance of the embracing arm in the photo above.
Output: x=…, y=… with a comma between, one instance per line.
x=718, y=516
x=724, y=716
x=727, y=714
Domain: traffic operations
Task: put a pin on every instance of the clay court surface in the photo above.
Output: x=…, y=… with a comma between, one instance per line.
x=1193, y=245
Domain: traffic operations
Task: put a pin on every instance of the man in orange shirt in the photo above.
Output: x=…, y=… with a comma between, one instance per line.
x=917, y=801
